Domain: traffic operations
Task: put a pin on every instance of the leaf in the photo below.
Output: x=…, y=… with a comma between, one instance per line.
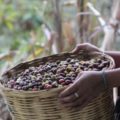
x=38, y=51
x=31, y=57
x=9, y=25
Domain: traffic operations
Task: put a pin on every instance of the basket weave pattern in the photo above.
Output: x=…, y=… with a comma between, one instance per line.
x=44, y=105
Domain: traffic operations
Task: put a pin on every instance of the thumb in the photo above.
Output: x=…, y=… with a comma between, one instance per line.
x=72, y=88
x=69, y=90
x=78, y=48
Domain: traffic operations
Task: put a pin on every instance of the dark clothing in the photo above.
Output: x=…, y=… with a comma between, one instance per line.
x=117, y=110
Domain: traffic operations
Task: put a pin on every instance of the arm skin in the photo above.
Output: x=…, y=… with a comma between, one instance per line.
x=116, y=56
x=113, y=76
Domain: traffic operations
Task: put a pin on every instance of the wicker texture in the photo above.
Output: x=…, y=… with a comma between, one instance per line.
x=44, y=105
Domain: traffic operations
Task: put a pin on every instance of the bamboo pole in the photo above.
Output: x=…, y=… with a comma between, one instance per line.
x=111, y=30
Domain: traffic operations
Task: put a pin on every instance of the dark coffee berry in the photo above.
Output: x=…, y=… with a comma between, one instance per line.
x=105, y=63
x=101, y=66
x=55, y=74
x=58, y=62
x=95, y=65
x=67, y=78
x=67, y=82
x=99, y=61
x=68, y=69
x=82, y=67
x=68, y=59
x=50, y=81
x=53, y=70
x=91, y=66
x=62, y=74
x=85, y=64
x=41, y=87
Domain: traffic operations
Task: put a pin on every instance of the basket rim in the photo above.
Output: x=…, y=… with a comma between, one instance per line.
x=112, y=66
x=64, y=53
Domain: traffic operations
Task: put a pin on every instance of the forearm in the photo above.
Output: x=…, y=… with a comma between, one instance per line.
x=113, y=77
x=116, y=57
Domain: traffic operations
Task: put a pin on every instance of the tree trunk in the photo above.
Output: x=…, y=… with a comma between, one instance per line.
x=58, y=26
x=82, y=21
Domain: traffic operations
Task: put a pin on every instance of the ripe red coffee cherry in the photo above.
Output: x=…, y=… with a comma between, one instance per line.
x=61, y=81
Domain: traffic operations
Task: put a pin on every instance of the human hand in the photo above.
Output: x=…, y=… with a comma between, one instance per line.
x=87, y=86
x=87, y=47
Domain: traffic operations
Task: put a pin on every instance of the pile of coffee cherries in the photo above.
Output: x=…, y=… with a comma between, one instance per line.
x=54, y=74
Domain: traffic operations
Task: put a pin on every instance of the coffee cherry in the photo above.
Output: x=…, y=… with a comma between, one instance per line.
x=24, y=88
x=68, y=59
x=55, y=84
x=48, y=86
x=67, y=82
x=95, y=65
x=50, y=82
x=55, y=74
x=34, y=89
x=61, y=81
x=18, y=80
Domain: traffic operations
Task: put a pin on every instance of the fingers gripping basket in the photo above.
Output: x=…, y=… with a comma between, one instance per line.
x=44, y=105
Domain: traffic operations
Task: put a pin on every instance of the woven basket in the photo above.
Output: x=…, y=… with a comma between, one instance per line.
x=44, y=105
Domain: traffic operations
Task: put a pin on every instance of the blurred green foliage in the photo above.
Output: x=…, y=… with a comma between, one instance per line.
x=22, y=23
x=17, y=19
x=21, y=29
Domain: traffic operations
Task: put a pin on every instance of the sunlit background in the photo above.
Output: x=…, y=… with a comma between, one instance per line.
x=37, y=28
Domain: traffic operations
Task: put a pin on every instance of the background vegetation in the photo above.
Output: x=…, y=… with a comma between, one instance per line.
x=36, y=28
